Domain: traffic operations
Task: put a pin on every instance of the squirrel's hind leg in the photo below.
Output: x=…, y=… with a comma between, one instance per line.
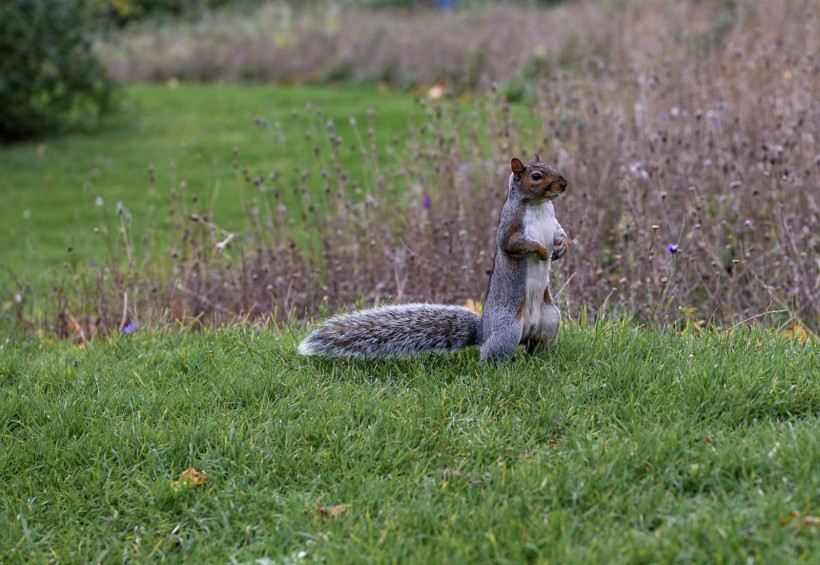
x=548, y=334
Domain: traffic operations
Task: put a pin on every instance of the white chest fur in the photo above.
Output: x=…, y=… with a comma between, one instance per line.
x=539, y=225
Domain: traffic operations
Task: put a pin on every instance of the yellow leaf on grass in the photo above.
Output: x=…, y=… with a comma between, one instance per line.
x=789, y=518
x=798, y=332
x=190, y=478
x=806, y=522
x=331, y=511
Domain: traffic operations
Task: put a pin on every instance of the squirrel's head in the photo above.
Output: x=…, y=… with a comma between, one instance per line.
x=537, y=181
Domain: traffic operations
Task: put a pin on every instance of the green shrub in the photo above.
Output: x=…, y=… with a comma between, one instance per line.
x=49, y=74
x=122, y=12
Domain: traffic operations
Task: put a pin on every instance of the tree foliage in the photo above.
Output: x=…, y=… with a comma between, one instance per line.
x=50, y=76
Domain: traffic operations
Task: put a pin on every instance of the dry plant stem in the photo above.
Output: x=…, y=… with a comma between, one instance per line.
x=124, y=318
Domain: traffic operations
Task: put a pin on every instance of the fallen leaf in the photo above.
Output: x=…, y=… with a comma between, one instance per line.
x=190, y=478
x=325, y=512
x=806, y=522
x=811, y=522
x=798, y=332
x=790, y=518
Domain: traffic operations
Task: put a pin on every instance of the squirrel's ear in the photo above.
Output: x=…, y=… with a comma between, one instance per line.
x=517, y=166
x=537, y=158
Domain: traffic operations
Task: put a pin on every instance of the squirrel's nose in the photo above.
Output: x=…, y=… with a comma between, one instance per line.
x=563, y=183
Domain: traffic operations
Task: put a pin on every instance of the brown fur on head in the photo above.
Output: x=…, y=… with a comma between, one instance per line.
x=537, y=181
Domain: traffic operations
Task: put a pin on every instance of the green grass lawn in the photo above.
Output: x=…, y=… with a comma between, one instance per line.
x=619, y=446
x=51, y=188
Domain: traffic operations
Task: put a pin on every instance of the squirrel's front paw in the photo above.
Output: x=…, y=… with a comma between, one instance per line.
x=559, y=248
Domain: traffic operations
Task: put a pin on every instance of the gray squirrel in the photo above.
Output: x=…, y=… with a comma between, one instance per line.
x=518, y=309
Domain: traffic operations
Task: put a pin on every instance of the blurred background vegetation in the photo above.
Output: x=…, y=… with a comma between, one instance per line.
x=52, y=76
x=294, y=144
x=124, y=11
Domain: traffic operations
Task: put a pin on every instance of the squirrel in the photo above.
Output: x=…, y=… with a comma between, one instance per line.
x=518, y=308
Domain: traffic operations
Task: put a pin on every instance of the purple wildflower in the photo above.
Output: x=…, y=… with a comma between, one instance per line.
x=426, y=203
x=672, y=248
x=664, y=117
x=130, y=328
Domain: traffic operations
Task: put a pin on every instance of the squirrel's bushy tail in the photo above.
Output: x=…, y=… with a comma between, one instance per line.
x=393, y=331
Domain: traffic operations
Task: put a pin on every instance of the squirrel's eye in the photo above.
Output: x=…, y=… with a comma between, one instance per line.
x=537, y=176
